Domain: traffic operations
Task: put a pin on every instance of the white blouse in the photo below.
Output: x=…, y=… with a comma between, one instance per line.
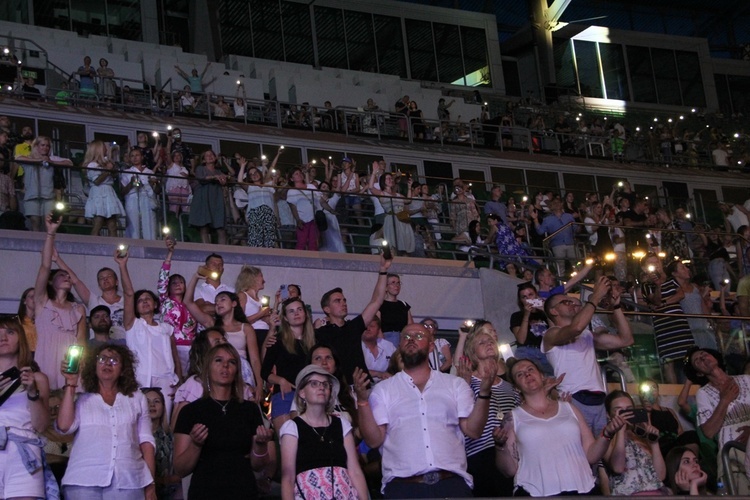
x=153, y=350
x=109, y=437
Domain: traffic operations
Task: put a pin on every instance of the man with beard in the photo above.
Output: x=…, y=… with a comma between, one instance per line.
x=419, y=417
x=101, y=324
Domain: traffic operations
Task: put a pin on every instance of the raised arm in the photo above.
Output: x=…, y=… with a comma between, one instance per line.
x=378, y=294
x=79, y=286
x=201, y=317
x=624, y=336
x=48, y=249
x=372, y=433
x=573, y=281
x=128, y=292
x=556, y=336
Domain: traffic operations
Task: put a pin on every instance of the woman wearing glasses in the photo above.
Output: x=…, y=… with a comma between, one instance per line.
x=318, y=455
x=634, y=461
x=113, y=449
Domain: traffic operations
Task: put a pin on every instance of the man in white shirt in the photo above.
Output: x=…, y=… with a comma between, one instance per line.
x=571, y=346
x=419, y=417
x=206, y=292
x=377, y=351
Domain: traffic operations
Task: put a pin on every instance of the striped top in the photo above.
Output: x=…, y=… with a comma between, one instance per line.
x=673, y=336
x=503, y=399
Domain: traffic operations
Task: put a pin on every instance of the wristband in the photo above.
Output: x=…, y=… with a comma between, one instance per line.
x=261, y=455
x=33, y=398
x=589, y=302
x=615, y=307
x=362, y=403
x=605, y=436
x=480, y=396
x=383, y=273
x=70, y=385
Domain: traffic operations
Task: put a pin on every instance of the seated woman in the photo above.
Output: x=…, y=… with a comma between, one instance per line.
x=549, y=436
x=634, y=462
x=684, y=473
x=317, y=448
x=216, y=434
x=112, y=414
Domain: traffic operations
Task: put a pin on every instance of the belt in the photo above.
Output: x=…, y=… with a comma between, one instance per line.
x=427, y=478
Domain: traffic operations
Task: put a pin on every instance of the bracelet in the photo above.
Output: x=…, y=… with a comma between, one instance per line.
x=51, y=234
x=69, y=385
x=590, y=302
x=616, y=307
x=383, y=273
x=605, y=436
x=362, y=403
x=261, y=455
x=33, y=398
x=480, y=396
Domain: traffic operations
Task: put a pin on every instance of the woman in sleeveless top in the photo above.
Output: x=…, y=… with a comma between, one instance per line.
x=545, y=435
x=249, y=284
x=318, y=455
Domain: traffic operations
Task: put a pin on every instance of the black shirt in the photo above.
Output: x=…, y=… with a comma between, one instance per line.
x=537, y=327
x=288, y=364
x=347, y=342
x=222, y=470
x=394, y=315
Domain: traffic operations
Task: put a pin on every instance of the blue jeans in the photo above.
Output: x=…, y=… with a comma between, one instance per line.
x=452, y=487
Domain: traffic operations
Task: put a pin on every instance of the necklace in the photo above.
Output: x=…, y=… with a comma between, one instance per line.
x=321, y=436
x=223, y=406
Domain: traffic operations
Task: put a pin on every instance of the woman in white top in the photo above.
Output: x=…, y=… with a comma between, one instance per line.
x=151, y=341
x=232, y=319
x=330, y=239
x=545, y=443
x=262, y=223
x=102, y=205
x=113, y=450
x=399, y=234
x=177, y=185
x=23, y=414
x=249, y=283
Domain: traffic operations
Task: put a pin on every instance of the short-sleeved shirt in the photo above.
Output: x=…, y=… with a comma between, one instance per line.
x=347, y=342
x=738, y=413
x=538, y=326
x=303, y=200
x=553, y=223
x=222, y=471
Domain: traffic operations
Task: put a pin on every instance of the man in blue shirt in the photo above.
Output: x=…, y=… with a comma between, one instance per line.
x=562, y=243
x=495, y=206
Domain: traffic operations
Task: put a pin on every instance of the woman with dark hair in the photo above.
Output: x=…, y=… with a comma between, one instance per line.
x=416, y=119
x=319, y=455
x=505, y=240
x=684, y=473
x=167, y=482
x=545, y=443
x=345, y=406
x=111, y=414
x=399, y=234
x=177, y=184
x=230, y=316
x=215, y=435
x=661, y=417
x=23, y=413
x=207, y=208
x=569, y=206
x=262, y=222
x=26, y=315
x=288, y=355
x=60, y=322
x=151, y=341
x=174, y=312
x=634, y=461
x=528, y=325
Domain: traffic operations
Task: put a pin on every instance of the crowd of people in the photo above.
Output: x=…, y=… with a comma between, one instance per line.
x=160, y=393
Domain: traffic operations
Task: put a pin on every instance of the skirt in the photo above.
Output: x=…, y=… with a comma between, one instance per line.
x=324, y=483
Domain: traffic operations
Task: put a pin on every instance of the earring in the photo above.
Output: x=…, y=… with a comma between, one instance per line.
x=304, y=404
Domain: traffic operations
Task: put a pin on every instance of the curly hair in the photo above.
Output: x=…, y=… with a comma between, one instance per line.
x=126, y=382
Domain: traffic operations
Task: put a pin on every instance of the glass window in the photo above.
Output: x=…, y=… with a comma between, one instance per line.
x=390, y=42
x=474, y=46
x=739, y=88
x=667, y=80
x=173, y=23
x=641, y=74
x=52, y=14
x=587, y=62
x=298, y=45
x=267, y=37
x=329, y=30
x=124, y=19
x=580, y=184
x=691, y=81
x=615, y=76
x=512, y=179
x=247, y=149
x=15, y=11
x=722, y=91
x=236, y=32
x=360, y=41
x=450, y=62
x=421, y=50
x=89, y=17
x=436, y=172
x=564, y=68
x=540, y=181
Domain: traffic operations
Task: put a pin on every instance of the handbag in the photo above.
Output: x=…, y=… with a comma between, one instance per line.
x=404, y=216
x=321, y=221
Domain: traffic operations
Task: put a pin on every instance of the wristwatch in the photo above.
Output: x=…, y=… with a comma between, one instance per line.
x=35, y=397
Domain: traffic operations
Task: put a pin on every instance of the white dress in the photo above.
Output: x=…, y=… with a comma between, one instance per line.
x=102, y=200
x=330, y=239
x=141, y=204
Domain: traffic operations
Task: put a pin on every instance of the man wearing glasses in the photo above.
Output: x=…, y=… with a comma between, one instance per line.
x=571, y=346
x=419, y=417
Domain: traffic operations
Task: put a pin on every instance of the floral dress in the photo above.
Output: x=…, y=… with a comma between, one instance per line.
x=173, y=312
x=639, y=475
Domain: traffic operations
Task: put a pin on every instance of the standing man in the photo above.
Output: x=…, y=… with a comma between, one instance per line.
x=206, y=292
x=723, y=408
x=419, y=418
x=571, y=346
x=562, y=243
x=495, y=206
x=346, y=336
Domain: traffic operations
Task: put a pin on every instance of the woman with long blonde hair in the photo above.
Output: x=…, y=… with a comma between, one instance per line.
x=102, y=204
x=289, y=356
